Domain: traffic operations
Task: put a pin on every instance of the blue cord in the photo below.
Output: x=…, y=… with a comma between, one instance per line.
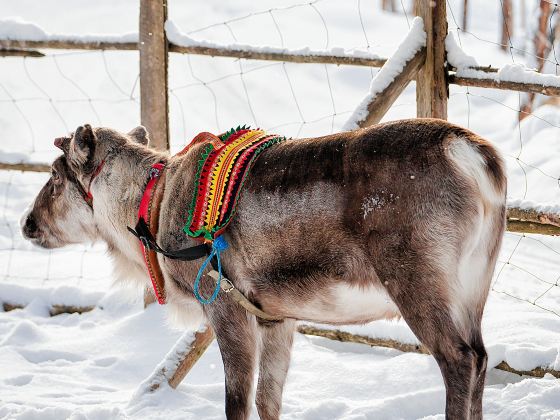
x=218, y=246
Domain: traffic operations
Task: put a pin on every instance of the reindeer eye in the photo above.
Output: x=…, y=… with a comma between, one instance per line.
x=55, y=176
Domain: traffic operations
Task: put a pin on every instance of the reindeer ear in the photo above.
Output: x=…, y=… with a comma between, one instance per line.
x=63, y=143
x=140, y=135
x=84, y=144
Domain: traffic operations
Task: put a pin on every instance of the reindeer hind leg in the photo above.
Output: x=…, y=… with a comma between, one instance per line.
x=480, y=375
x=430, y=316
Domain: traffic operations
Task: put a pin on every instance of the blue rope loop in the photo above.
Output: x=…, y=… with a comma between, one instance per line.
x=218, y=246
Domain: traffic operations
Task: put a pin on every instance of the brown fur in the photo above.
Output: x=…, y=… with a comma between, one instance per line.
x=407, y=216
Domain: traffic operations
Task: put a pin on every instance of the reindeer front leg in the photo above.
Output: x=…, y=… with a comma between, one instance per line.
x=276, y=348
x=236, y=336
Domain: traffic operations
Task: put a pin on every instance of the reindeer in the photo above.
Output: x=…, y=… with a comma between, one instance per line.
x=399, y=219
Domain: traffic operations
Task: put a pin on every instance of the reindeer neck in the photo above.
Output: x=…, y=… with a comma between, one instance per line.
x=120, y=192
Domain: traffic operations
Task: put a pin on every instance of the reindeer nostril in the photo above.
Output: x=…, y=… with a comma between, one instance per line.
x=30, y=225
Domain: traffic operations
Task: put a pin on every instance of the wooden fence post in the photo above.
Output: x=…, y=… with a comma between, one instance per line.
x=154, y=107
x=153, y=47
x=465, y=15
x=507, y=24
x=431, y=82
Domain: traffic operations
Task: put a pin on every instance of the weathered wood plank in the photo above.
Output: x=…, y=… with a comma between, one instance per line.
x=64, y=44
x=465, y=20
x=31, y=167
x=199, y=50
x=12, y=52
x=276, y=56
x=505, y=85
x=523, y=226
x=507, y=24
x=154, y=104
x=431, y=82
x=534, y=216
x=178, y=361
x=381, y=102
x=54, y=309
x=354, y=338
x=202, y=340
x=69, y=309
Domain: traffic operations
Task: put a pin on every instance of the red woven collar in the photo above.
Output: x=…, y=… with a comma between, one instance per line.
x=153, y=175
x=149, y=212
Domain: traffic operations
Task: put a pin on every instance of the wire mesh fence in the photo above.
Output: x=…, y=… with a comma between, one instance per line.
x=213, y=94
x=47, y=95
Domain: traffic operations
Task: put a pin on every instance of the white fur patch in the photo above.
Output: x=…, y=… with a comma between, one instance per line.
x=472, y=163
x=473, y=271
x=350, y=304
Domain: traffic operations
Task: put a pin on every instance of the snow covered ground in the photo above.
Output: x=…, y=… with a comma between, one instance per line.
x=88, y=366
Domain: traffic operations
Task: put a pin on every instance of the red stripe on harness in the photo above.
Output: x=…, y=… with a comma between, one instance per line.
x=143, y=213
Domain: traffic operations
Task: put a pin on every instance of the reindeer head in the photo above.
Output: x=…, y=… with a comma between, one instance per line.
x=62, y=213
x=59, y=214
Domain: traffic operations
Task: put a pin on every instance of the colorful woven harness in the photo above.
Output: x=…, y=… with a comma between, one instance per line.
x=222, y=170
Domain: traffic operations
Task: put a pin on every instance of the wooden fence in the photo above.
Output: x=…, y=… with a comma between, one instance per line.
x=428, y=67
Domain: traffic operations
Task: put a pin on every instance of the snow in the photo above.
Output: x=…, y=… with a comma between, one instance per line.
x=552, y=208
x=414, y=41
x=18, y=29
x=455, y=55
x=516, y=72
x=177, y=37
x=69, y=372
x=57, y=295
x=512, y=73
x=166, y=367
x=96, y=365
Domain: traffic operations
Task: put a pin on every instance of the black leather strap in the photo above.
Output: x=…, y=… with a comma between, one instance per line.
x=142, y=232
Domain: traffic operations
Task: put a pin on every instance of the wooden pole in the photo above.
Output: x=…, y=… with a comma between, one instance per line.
x=256, y=54
x=412, y=348
x=218, y=51
x=154, y=106
x=178, y=361
x=431, y=82
x=540, y=41
x=547, y=90
x=25, y=167
x=154, y=103
x=465, y=15
x=12, y=52
x=381, y=102
x=507, y=24
x=66, y=44
x=388, y=5
x=202, y=341
x=542, y=48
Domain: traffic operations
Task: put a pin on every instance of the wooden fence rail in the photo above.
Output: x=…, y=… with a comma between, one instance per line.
x=29, y=47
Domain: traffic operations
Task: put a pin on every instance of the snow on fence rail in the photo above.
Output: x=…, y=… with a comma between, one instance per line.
x=517, y=78
x=421, y=61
